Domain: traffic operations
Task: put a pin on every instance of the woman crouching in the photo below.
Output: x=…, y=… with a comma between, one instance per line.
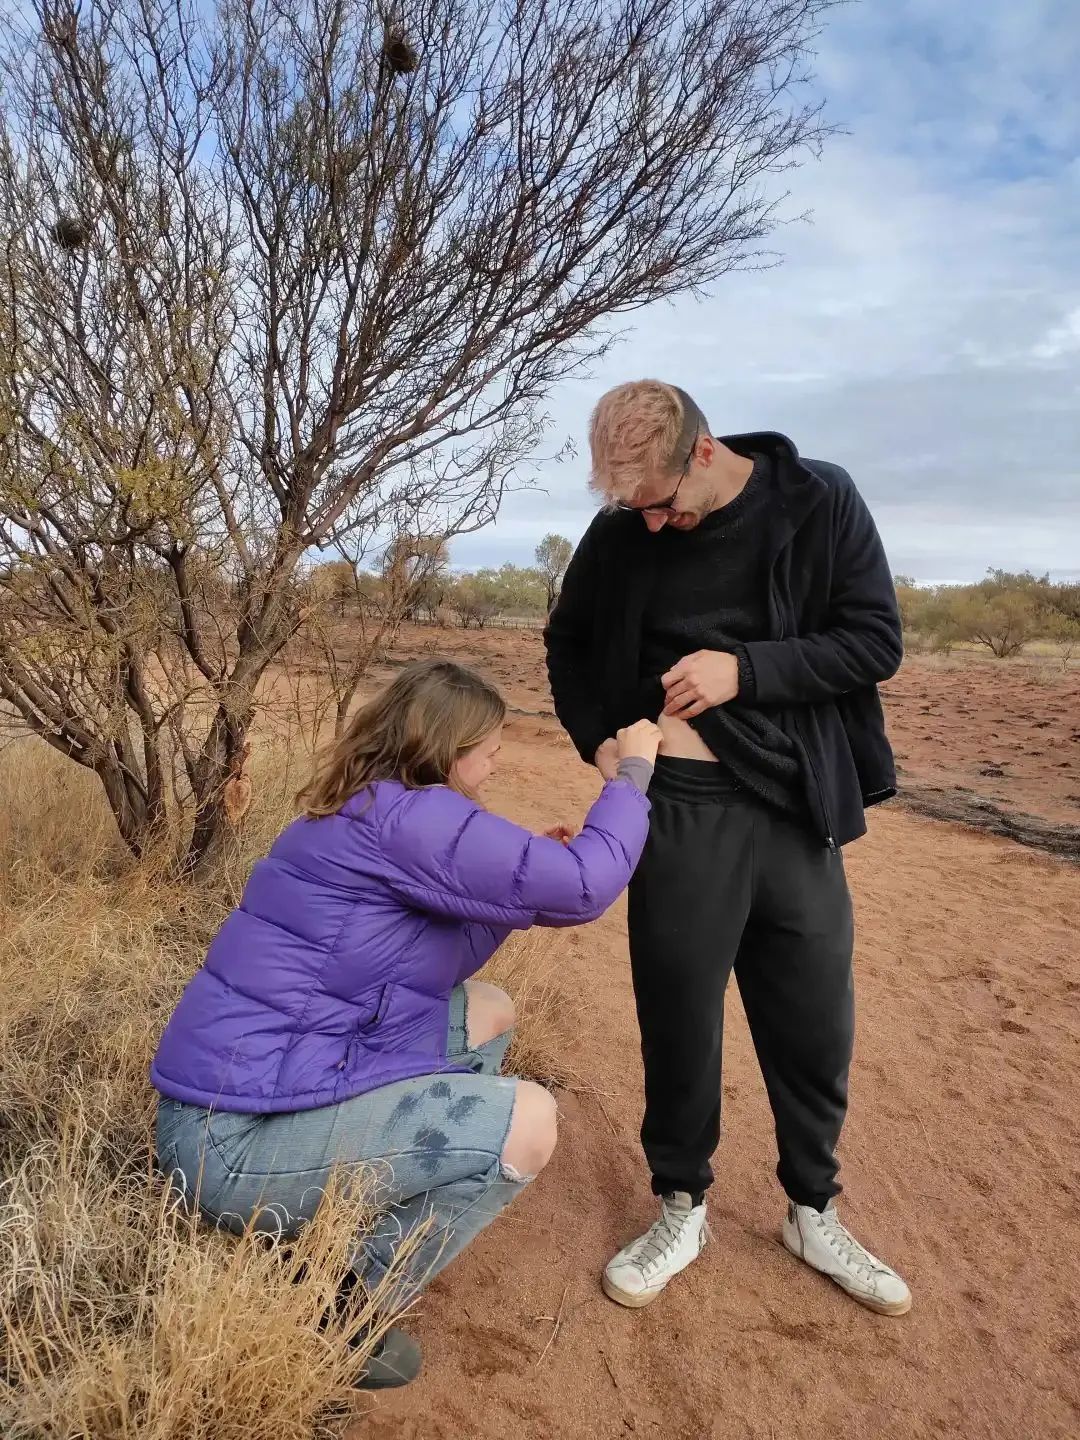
x=333, y=1022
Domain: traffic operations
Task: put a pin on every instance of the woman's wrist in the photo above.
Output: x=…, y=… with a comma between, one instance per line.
x=637, y=770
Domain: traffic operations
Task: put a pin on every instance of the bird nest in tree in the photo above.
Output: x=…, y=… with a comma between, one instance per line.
x=70, y=233
x=399, y=54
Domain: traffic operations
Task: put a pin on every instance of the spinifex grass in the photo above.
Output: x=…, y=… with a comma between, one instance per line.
x=119, y=1316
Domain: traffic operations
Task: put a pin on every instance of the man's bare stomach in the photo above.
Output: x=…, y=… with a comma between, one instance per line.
x=681, y=741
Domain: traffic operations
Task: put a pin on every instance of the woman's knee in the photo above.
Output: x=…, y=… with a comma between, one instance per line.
x=489, y=1012
x=530, y=1142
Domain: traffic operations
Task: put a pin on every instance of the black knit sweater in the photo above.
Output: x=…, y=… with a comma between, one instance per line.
x=711, y=593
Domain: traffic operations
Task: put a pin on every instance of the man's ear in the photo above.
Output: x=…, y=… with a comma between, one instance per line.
x=704, y=450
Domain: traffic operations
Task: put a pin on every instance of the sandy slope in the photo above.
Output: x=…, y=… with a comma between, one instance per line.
x=961, y=1161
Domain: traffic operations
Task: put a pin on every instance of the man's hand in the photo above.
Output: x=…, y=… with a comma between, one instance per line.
x=607, y=759
x=563, y=833
x=700, y=681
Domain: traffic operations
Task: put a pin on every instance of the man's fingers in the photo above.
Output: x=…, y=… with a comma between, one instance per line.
x=689, y=710
x=677, y=672
x=680, y=696
x=682, y=693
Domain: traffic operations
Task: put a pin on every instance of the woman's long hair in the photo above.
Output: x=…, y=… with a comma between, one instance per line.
x=412, y=731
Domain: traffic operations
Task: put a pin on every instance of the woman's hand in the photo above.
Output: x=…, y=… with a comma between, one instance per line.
x=607, y=759
x=563, y=833
x=639, y=741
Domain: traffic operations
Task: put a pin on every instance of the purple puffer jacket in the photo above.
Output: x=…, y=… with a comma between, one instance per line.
x=333, y=977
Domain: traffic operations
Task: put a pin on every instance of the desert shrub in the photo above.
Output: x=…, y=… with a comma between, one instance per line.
x=123, y=1319
x=474, y=600
x=1002, y=613
x=513, y=590
x=548, y=1023
x=1003, y=623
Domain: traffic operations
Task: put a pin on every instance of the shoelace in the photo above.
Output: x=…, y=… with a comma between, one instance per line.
x=663, y=1235
x=841, y=1240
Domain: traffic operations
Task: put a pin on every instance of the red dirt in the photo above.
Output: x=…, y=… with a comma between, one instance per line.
x=1005, y=731
x=961, y=1156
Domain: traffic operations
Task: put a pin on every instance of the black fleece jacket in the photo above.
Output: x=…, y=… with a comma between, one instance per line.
x=835, y=633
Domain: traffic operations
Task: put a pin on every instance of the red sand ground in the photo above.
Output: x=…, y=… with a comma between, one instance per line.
x=961, y=1155
x=1008, y=731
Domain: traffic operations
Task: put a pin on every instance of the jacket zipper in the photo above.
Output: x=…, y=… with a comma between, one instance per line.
x=830, y=840
x=372, y=1023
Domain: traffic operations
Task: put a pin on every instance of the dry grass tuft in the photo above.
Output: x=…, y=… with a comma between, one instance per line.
x=125, y=1319
x=548, y=1023
x=119, y=1317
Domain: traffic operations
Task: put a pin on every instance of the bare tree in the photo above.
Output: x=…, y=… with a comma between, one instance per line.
x=553, y=555
x=279, y=278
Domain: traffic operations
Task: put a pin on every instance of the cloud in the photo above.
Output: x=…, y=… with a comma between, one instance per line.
x=924, y=329
x=1061, y=341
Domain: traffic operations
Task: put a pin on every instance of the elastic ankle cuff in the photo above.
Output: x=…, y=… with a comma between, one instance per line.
x=663, y=1185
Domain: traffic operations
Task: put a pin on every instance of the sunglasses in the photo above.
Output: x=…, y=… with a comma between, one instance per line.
x=664, y=507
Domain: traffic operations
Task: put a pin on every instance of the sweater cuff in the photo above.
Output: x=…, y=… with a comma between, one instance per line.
x=637, y=770
x=747, y=679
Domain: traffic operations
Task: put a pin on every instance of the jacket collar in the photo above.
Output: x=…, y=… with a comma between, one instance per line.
x=799, y=489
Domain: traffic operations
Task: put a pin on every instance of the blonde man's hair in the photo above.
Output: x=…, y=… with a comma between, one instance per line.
x=638, y=431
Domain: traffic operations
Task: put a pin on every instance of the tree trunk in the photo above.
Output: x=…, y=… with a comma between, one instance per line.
x=222, y=747
x=140, y=816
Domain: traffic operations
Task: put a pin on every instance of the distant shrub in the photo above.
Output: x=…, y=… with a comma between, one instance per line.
x=1002, y=613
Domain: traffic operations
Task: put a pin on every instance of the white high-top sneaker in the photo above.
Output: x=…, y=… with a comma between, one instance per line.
x=818, y=1237
x=641, y=1270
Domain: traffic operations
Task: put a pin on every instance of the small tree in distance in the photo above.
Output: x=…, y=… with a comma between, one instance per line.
x=334, y=584
x=475, y=600
x=553, y=555
x=1003, y=623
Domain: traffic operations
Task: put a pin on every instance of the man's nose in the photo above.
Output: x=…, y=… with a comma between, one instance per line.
x=654, y=521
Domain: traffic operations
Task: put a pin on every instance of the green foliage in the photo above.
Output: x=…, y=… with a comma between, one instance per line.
x=474, y=599
x=1002, y=612
x=512, y=590
x=553, y=555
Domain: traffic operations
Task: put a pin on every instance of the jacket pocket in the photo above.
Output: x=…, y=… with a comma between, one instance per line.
x=367, y=1026
x=373, y=1021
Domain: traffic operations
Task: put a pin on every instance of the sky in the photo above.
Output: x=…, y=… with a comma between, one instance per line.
x=924, y=328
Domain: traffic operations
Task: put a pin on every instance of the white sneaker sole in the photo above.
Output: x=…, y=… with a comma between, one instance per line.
x=879, y=1307
x=628, y=1298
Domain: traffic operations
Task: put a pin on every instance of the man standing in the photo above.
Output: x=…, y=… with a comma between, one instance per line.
x=742, y=596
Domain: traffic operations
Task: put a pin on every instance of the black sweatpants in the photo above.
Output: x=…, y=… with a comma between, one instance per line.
x=726, y=882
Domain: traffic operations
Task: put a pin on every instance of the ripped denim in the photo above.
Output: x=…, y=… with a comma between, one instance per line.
x=428, y=1148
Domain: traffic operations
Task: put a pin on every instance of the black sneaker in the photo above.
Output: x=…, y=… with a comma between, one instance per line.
x=395, y=1361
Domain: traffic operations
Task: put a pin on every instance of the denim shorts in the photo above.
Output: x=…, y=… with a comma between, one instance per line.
x=435, y=1133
